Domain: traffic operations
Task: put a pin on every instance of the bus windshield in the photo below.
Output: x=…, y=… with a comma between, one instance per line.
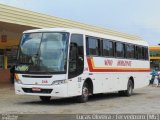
x=43, y=52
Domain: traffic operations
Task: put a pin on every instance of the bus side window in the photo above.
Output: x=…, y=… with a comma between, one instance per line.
x=139, y=52
x=119, y=50
x=130, y=51
x=108, y=48
x=93, y=46
x=146, y=53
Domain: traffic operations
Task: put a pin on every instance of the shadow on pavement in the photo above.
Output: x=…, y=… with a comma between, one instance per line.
x=68, y=101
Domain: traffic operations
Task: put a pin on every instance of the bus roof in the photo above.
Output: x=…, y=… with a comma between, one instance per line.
x=136, y=40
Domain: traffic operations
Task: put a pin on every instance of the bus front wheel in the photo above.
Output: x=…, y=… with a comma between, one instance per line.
x=85, y=94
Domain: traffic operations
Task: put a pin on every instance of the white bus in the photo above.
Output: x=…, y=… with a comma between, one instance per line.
x=61, y=63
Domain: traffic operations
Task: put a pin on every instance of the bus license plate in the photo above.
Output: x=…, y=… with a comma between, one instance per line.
x=36, y=89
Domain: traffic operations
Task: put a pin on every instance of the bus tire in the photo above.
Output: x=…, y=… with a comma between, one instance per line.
x=129, y=90
x=45, y=98
x=85, y=94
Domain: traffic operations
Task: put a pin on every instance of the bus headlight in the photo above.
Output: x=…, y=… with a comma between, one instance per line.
x=16, y=79
x=58, y=82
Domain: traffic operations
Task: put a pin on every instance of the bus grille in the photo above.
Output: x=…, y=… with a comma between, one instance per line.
x=29, y=90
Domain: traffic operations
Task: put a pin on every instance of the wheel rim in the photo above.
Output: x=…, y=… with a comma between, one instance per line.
x=85, y=92
x=130, y=89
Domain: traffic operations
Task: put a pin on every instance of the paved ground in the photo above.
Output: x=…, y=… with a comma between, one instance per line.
x=145, y=100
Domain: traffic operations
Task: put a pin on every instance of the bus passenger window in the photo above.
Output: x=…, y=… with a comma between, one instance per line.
x=108, y=49
x=130, y=51
x=119, y=50
x=93, y=46
x=139, y=52
x=146, y=53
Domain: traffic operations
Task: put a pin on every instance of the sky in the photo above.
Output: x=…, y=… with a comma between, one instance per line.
x=137, y=17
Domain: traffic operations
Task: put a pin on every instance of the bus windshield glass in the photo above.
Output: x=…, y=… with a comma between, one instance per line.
x=43, y=52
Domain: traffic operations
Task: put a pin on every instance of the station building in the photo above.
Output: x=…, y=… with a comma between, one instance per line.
x=154, y=56
x=13, y=21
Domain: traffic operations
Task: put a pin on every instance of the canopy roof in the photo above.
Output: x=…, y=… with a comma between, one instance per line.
x=23, y=17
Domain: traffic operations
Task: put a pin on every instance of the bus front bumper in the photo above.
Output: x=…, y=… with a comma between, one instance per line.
x=57, y=91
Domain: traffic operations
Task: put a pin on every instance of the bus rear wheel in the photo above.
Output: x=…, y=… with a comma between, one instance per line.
x=45, y=98
x=85, y=94
x=129, y=90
